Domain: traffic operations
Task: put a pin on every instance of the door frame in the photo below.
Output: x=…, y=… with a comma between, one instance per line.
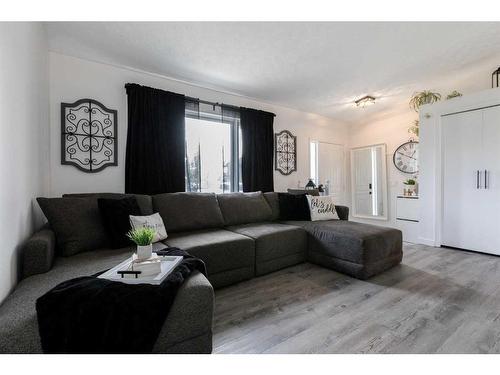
x=385, y=194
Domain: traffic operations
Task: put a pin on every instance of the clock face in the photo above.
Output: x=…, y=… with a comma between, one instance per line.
x=406, y=157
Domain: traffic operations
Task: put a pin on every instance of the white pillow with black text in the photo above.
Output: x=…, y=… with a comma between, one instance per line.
x=322, y=208
x=152, y=221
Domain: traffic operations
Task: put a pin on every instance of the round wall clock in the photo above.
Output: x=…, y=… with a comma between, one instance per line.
x=405, y=157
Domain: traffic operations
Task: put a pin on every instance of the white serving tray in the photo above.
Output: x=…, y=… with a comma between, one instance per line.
x=168, y=264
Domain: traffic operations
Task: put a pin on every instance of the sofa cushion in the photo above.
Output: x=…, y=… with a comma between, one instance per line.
x=188, y=211
x=115, y=214
x=273, y=241
x=220, y=249
x=242, y=208
x=273, y=202
x=144, y=201
x=354, y=242
x=293, y=207
x=76, y=223
x=322, y=208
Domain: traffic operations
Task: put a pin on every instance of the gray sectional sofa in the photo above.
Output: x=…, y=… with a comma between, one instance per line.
x=237, y=235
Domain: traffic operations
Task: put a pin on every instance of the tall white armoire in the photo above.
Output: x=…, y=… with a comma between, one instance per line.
x=460, y=173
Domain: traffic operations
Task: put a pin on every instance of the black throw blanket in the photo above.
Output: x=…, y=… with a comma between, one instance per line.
x=92, y=315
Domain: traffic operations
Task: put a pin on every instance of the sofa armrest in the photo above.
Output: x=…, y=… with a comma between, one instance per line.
x=38, y=252
x=188, y=327
x=343, y=212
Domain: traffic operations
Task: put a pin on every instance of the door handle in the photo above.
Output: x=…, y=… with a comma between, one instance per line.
x=485, y=179
x=477, y=179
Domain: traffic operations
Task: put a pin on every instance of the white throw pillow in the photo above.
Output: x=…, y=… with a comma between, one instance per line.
x=152, y=221
x=322, y=208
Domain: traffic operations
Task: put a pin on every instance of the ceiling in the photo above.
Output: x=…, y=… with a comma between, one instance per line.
x=315, y=67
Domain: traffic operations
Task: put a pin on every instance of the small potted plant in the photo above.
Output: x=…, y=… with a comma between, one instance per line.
x=143, y=238
x=411, y=185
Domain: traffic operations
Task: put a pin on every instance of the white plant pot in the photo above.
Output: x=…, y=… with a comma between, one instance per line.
x=144, y=252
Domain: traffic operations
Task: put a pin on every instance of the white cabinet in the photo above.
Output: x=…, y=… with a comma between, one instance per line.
x=407, y=208
x=471, y=166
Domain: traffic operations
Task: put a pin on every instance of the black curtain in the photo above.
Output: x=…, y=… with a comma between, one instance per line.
x=257, y=153
x=155, y=141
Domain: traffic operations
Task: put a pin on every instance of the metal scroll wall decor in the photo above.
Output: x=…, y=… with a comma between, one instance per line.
x=88, y=135
x=285, y=148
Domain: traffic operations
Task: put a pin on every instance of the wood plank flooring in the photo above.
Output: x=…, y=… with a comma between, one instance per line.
x=437, y=301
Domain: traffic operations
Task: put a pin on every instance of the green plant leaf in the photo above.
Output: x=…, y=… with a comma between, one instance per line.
x=142, y=236
x=424, y=97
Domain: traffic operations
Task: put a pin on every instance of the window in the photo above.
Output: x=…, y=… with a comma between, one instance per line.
x=213, y=149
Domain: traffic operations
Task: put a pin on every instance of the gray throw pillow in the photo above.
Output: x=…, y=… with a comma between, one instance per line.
x=76, y=222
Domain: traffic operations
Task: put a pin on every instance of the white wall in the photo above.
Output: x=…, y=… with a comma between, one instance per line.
x=73, y=78
x=392, y=131
x=24, y=138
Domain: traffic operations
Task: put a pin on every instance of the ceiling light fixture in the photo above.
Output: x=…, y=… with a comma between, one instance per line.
x=365, y=101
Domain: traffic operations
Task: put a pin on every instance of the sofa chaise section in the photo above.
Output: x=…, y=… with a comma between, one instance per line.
x=359, y=250
x=187, y=329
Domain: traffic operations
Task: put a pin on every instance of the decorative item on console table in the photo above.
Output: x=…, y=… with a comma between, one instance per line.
x=411, y=187
x=310, y=185
x=88, y=135
x=285, y=152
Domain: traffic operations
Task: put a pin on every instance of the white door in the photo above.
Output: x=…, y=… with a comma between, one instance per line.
x=490, y=192
x=331, y=169
x=462, y=194
x=362, y=181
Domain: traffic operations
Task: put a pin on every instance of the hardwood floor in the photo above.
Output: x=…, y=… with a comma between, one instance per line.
x=437, y=301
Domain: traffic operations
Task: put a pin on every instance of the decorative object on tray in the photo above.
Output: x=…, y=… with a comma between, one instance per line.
x=88, y=135
x=405, y=157
x=495, y=77
x=322, y=208
x=154, y=222
x=143, y=238
x=285, y=152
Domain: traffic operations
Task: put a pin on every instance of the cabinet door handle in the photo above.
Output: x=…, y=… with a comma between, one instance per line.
x=477, y=179
x=485, y=179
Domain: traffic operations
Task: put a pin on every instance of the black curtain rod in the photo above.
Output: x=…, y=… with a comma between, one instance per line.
x=216, y=104
x=196, y=99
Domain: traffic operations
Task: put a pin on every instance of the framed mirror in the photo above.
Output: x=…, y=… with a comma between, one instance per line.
x=369, y=182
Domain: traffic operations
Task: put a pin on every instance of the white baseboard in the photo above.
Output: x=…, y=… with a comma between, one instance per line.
x=428, y=242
